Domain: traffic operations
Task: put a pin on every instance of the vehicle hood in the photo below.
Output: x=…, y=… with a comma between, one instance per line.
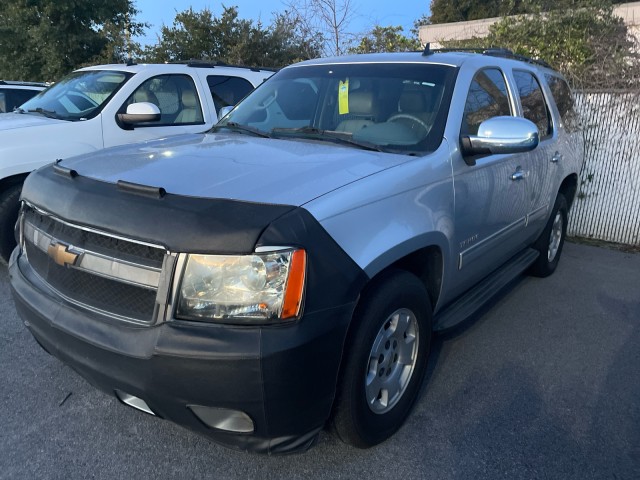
x=9, y=121
x=236, y=166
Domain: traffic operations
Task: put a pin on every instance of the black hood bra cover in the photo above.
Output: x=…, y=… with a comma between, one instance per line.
x=179, y=223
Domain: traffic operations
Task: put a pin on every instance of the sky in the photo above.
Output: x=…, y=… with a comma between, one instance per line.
x=367, y=12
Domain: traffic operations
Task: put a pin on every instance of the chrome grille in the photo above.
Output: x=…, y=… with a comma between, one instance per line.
x=96, y=242
x=94, y=270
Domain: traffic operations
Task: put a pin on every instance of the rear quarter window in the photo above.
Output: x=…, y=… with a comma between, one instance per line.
x=565, y=102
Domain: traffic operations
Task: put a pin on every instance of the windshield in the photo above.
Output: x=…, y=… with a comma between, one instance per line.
x=78, y=96
x=392, y=107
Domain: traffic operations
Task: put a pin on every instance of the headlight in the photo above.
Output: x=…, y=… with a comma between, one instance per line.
x=262, y=287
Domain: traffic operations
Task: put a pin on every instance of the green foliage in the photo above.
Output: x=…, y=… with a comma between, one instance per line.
x=228, y=38
x=46, y=39
x=584, y=40
x=386, y=39
x=447, y=11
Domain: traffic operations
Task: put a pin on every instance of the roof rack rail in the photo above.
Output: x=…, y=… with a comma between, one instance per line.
x=492, y=51
x=23, y=84
x=429, y=51
x=506, y=53
x=195, y=63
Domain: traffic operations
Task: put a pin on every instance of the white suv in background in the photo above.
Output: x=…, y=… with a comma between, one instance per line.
x=109, y=105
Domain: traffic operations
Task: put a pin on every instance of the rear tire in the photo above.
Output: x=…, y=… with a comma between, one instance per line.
x=385, y=360
x=551, y=241
x=9, y=207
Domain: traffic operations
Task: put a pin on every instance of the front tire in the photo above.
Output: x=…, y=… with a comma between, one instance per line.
x=9, y=207
x=551, y=241
x=385, y=360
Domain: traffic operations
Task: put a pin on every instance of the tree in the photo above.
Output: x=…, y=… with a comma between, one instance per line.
x=386, y=39
x=197, y=35
x=447, y=11
x=330, y=18
x=584, y=40
x=45, y=39
x=228, y=38
x=284, y=42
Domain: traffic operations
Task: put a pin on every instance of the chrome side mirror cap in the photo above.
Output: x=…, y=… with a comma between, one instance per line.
x=224, y=111
x=500, y=135
x=140, y=112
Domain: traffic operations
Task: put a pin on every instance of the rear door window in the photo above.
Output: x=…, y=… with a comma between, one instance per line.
x=534, y=106
x=565, y=102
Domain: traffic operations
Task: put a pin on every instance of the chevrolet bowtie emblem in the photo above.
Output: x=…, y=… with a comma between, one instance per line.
x=60, y=254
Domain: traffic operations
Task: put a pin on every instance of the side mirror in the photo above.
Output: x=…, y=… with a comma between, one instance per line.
x=140, y=112
x=501, y=135
x=224, y=111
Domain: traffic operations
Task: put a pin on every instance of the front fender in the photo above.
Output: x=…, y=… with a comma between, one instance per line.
x=387, y=216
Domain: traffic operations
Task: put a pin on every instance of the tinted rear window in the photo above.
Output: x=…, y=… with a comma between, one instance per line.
x=564, y=101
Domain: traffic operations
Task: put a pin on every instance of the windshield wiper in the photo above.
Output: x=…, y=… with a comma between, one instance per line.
x=332, y=135
x=241, y=128
x=46, y=113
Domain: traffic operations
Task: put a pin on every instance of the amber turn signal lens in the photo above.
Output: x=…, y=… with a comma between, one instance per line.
x=295, y=285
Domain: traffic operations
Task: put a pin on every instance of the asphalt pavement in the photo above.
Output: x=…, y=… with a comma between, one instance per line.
x=544, y=383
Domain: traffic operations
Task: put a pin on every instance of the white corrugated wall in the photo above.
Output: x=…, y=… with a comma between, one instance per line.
x=608, y=203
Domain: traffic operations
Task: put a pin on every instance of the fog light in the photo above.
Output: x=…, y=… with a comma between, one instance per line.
x=134, y=402
x=223, y=418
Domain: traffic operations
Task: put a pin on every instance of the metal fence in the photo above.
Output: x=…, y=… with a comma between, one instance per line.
x=608, y=203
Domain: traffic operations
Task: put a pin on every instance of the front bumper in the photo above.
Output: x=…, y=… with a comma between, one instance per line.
x=282, y=377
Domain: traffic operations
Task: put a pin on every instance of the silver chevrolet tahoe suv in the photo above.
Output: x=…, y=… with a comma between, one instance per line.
x=286, y=269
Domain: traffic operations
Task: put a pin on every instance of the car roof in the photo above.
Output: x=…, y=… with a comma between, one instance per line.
x=170, y=67
x=450, y=58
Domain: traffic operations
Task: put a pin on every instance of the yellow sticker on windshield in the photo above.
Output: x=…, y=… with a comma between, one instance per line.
x=343, y=97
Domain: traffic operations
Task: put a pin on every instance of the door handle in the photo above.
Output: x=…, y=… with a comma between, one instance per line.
x=556, y=157
x=518, y=175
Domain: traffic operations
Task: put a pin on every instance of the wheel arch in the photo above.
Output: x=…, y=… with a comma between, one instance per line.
x=568, y=188
x=424, y=256
x=12, y=180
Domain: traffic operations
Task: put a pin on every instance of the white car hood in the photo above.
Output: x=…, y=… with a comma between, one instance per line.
x=9, y=121
x=236, y=166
